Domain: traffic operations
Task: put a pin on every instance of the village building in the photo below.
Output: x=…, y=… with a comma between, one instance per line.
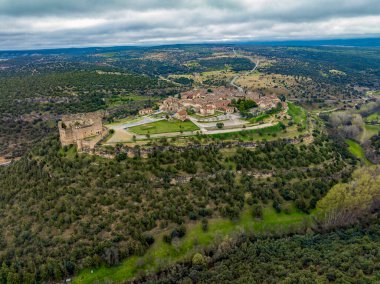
x=207, y=110
x=181, y=115
x=146, y=111
x=171, y=104
x=228, y=109
x=83, y=130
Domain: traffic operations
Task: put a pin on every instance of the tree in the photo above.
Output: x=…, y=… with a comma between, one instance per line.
x=257, y=211
x=347, y=203
x=167, y=239
x=121, y=157
x=220, y=125
x=199, y=259
x=204, y=225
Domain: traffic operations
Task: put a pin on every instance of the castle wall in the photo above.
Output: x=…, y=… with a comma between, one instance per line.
x=90, y=144
x=66, y=135
x=85, y=132
x=75, y=129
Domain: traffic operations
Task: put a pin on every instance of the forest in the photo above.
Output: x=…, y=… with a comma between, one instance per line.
x=84, y=211
x=342, y=247
x=342, y=256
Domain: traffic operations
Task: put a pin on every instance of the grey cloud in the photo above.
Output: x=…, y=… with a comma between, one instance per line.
x=88, y=7
x=47, y=23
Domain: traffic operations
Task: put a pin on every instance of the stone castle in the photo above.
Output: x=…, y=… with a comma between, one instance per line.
x=84, y=130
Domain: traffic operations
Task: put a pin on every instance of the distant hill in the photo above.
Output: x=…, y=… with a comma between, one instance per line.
x=358, y=42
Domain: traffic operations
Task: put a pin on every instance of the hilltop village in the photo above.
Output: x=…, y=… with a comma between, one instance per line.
x=205, y=111
x=206, y=101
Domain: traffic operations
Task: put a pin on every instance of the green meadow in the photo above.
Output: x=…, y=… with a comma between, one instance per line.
x=161, y=254
x=357, y=151
x=298, y=114
x=164, y=126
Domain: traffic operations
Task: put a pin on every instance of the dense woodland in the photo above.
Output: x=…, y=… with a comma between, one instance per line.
x=81, y=211
x=342, y=256
x=329, y=253
x=70, y=92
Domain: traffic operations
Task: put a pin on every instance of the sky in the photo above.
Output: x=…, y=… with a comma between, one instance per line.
x=34, y=24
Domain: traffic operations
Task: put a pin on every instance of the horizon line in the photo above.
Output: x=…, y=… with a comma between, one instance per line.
x=253, y=42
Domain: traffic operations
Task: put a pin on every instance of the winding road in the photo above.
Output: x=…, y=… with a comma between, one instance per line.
x=232, y=83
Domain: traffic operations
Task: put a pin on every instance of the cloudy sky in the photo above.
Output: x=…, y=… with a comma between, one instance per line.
x=28, y=24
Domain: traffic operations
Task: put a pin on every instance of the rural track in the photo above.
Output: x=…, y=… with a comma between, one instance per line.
x=232, y=83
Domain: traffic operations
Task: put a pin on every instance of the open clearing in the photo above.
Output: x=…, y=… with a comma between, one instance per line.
x=4, y=161
x=369, y=131
x=298, y=114
x=275, y=83
x=373, y=118
x=357, y=151
x=163, y=254
x=164, y=126
x=204, y=77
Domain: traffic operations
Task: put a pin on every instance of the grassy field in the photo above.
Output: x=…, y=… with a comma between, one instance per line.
x=298, y=114
x=164, y=126
x=247, y=135
x=162, y=254
x=375, y=117
x=275, y=83
x=357, y=151
x=259, y=118
x=369, y=131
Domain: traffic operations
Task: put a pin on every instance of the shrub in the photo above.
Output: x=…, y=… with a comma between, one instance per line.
x=257, y=211
x=204, y=225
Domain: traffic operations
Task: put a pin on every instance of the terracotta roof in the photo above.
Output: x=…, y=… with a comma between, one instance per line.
x=182, y=112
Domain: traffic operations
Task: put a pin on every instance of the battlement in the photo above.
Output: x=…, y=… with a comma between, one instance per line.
x=76, y=129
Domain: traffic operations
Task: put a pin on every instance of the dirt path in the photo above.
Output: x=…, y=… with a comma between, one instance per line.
x=5, y=162
x=232, y=83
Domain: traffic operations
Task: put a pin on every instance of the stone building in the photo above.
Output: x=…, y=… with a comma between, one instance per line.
x=171, y=104
x=84, y=130
x=146, y=111
x=181, y=115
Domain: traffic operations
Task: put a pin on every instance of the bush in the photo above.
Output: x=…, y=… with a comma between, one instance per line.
x=149, y=239
x=277, y=206
x=121, y=157
x=204, y=225
x=167, y=239
x=198, y=259
x=257, y=211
